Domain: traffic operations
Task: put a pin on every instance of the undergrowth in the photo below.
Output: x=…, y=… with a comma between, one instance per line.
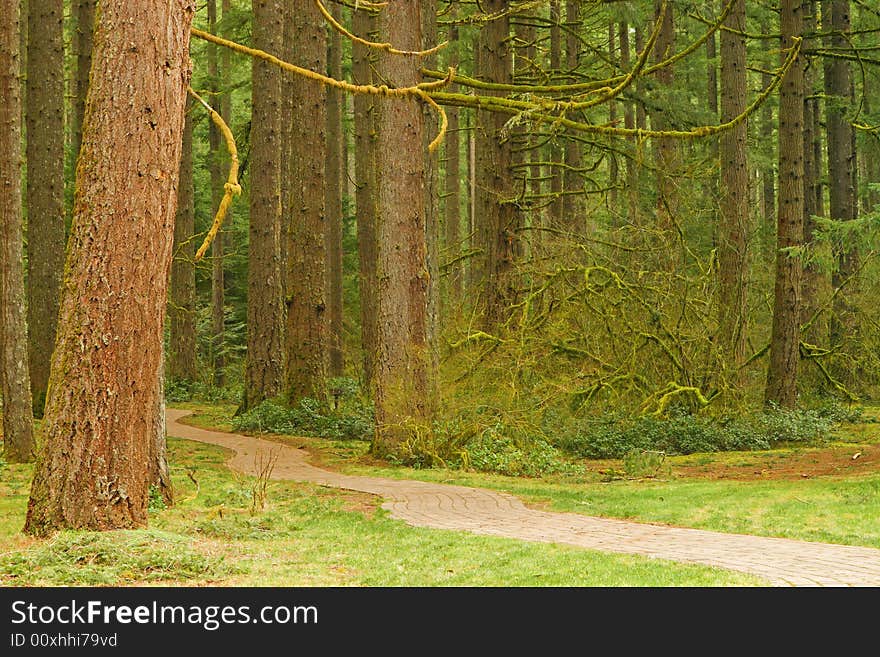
x=111, y=558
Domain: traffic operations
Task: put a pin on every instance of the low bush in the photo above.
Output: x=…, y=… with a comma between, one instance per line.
x=615, y=436
x=346, y=418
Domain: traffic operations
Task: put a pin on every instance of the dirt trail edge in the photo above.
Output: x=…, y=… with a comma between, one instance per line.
x=783, y=562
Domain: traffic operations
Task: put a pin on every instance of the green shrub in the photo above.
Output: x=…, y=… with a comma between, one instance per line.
x=684, y=433
x=351, y=420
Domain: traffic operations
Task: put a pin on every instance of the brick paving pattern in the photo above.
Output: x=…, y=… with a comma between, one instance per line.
x=782, y=562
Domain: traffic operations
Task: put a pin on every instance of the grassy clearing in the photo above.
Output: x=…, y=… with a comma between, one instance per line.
x=306, y=536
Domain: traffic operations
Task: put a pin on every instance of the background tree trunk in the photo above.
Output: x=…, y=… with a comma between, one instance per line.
x=182, y=365
x=45, y=186
x=573, y=182
x=333, y=186
x=364, y=25
x=404, y=365
x=307, y=337
x=264, y=365
x=498, y=228
x=841, y=160
x=84, y=11
x=782, y=374
x=94, y=470
x=18, y=438
x=452, y=210
x=733, y=234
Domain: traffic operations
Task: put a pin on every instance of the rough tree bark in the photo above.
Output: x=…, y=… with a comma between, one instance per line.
x=18, y=437
x=307, y=338
x=403, y=365
x=264, y=365
x=782, y=373
x=94, y=469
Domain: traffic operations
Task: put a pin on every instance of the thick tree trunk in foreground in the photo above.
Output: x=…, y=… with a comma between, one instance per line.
x=785, y=337
x=45, y=185
x=307, y=337
x=404, y=365
x=101, y=410
x=733, y=228
x=18, y=437
x=264, y=365
x=182, y=306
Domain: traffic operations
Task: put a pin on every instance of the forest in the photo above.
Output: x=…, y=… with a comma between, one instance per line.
x=494, y=236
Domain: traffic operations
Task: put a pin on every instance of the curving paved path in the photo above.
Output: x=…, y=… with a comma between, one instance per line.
x=783, y=562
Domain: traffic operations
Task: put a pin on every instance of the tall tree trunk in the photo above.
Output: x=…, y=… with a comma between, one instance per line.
x=613, y=166
x=453, y=188
x=498, y=229
x=182, y=309
x=307, y=338
x=734, y=191
x=557, y=215
x=573, y=182
x=45, y=185
x=333, y=185
x=629, y=122
x=782, y=374
x=665, y=149
x=18, y=438
x=364, y=25
x=94, y=469
x=813, y=281
x=430, y=128
x=218, y=292
x=841, y=161
x=404, y=372
x=85, y=26
x=264, y=365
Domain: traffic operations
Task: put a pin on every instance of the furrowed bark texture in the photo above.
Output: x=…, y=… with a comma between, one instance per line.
x=101, y=408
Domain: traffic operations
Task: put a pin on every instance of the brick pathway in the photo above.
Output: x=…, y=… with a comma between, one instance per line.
x=783, y=562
